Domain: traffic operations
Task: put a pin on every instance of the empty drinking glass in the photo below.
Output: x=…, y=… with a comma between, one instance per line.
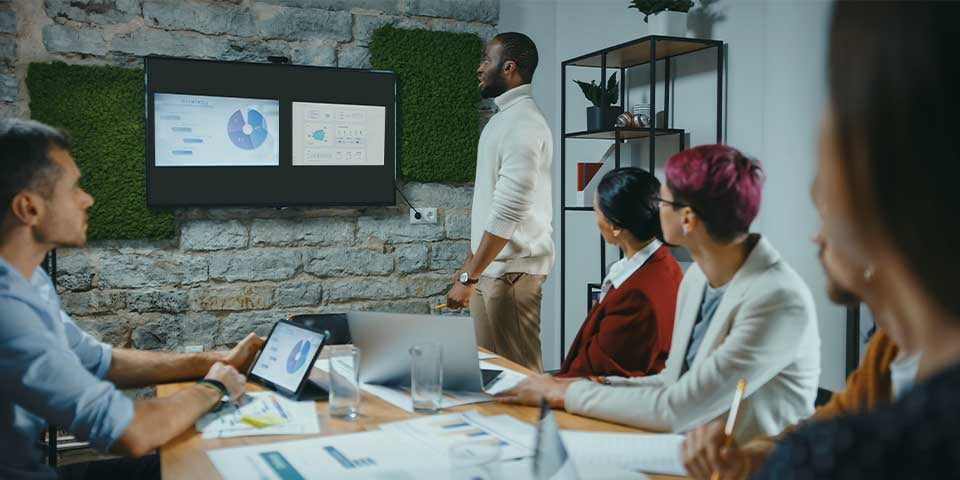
x=344, y=381
x=426, y=377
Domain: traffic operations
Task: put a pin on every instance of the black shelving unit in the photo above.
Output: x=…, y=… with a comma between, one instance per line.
x=649, y=50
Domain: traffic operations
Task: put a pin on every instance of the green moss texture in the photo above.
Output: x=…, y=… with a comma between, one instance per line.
x=438, y=120
x=101, y=107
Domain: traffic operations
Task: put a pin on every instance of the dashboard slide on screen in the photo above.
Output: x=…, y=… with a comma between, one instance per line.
x=287, y=355
x=205, y=131
x=328, y=134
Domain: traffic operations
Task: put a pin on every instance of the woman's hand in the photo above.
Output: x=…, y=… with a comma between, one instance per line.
x=535, y=387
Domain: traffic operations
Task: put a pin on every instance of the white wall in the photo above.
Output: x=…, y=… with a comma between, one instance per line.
x=775, y=83
x=537, y=20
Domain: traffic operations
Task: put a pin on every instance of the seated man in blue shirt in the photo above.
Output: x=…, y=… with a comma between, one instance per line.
x=50, y=370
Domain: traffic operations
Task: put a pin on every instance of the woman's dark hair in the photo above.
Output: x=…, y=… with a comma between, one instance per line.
x=25, y=159
x=628, y=198
x=894, y=79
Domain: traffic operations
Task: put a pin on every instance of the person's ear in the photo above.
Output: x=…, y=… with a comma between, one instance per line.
x=27, y=208
x=509, y=68
x=689, y=221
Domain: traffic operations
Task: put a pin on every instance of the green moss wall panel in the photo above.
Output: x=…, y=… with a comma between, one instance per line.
x=438, y=120
x=101, y=107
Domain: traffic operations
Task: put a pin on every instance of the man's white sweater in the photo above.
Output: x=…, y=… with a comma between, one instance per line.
x=512, y=191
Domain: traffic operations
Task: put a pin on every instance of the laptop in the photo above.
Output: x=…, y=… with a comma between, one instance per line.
x=286, y=360
x=385, y=339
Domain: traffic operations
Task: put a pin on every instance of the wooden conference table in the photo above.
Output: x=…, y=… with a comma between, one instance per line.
x=185, y=457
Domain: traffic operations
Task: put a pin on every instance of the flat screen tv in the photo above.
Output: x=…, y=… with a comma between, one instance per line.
x=268, y=134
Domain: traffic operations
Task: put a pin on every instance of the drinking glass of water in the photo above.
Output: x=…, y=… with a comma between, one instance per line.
x=344, y=381
x=426, y=377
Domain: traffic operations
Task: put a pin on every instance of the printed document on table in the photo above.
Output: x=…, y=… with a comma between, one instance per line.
x=338, y=456
x=439, y=432
x=651, y=453
x=301, y=418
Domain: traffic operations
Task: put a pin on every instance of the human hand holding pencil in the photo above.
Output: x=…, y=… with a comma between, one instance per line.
x=710, y=452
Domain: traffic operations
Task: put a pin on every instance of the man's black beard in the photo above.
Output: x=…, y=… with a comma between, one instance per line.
x=494, y=88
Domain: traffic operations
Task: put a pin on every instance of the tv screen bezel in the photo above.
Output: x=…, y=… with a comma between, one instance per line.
x=391, y=150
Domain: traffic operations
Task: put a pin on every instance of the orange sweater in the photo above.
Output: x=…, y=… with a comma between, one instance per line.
x=867, y=387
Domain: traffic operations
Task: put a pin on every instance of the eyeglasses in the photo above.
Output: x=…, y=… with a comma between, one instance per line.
x=672, y=203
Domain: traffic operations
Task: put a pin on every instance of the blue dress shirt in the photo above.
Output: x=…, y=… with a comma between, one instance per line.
x=50, y=370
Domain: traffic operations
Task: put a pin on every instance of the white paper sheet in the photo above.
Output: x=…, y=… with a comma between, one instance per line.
x=301, y=418
x=508, y=380
x=439, y=432
x=651, y=453
x=400, y=397
x=337, y=456
x=486, y=356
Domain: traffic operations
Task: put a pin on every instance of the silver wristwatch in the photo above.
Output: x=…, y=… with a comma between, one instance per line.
x=466, y=280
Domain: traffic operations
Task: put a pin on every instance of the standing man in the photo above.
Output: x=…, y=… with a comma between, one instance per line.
x=53, y=372
x=511, y=249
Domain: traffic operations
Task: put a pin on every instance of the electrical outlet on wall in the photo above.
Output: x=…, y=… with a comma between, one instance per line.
x=427, y=215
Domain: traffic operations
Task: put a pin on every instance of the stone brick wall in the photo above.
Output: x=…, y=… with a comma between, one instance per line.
x=236, y=270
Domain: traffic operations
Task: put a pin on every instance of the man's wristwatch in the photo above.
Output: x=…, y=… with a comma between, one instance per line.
x=466, y=280
x=220, y=387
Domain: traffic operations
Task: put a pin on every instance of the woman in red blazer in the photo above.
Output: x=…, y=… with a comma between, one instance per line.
x=627, y=333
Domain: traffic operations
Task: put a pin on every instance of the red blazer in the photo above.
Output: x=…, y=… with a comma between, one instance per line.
x=628, y=333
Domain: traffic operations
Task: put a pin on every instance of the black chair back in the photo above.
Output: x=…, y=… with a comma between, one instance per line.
x=333, y=324
x=823, y=396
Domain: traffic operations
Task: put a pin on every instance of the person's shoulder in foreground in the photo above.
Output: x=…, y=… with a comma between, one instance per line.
x=916, y=437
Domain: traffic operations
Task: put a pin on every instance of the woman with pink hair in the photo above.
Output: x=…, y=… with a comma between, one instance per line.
x=742, y=313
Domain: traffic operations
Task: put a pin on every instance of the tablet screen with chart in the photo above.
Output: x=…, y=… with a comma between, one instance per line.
x=286, y=358
x=329, y=134
x=208, y=131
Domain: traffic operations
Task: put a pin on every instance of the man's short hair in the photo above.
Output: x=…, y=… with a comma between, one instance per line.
x=25, y=162
x=722, y=186
x=520, y=49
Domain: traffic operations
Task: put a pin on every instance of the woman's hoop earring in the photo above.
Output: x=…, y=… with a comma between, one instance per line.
x=684, y=231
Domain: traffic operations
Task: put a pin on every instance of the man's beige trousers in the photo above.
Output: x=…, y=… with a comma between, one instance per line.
x=506, y=316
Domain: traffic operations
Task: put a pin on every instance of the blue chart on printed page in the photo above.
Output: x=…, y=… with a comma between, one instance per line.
x=298, y=356
x=286, y=356
x=206, y=131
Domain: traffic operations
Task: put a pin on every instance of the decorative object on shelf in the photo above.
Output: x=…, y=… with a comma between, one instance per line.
x=602, y=114
x=641, y=111
x=669, y=16
x=585, y=194
x=586, y=171
x=625, y=119
x=632, y=120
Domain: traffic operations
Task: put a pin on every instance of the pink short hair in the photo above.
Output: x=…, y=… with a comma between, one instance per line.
x=721, y=184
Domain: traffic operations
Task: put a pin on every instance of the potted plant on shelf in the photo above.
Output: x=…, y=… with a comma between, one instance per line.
x=602, y=114
x=669, y=16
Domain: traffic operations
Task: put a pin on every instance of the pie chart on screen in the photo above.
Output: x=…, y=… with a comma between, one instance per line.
x=247, y=131
x=298, y=356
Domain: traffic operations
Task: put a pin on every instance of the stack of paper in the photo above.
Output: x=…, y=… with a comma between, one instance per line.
x=336, y=456
x=419, y=448
x=651, y=453
x=440, y=432
x=286, y=417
